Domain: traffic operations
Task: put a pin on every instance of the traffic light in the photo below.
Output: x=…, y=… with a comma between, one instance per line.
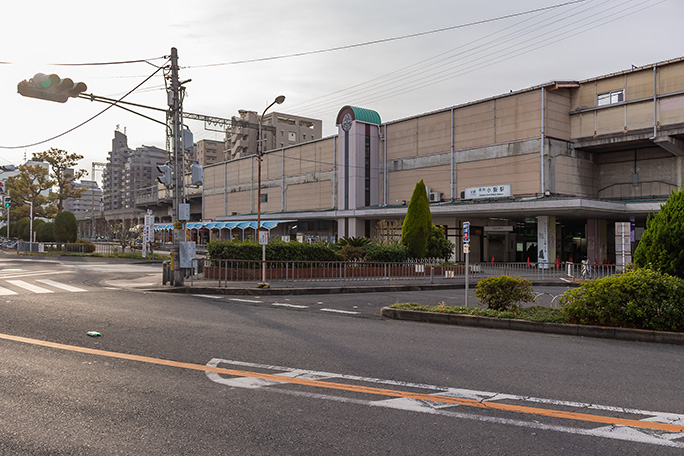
x=51, y=87
x=2, y=187
x=8, y=201
x=197, y=174
x=165, y=177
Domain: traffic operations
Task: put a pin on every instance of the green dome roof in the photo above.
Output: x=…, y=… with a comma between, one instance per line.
x=361, y=114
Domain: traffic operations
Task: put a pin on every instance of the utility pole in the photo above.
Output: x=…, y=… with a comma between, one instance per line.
x=175, y=108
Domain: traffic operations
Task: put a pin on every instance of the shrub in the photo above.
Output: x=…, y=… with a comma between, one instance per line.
x=354, y=241
x=438, y=245
x=504, y=292
x=66, y=227
x=386, y=253
x=662, y=245
x=415, y=230
x=275, y=251
x=350, y=253
x=88, y=247
x=641, y=298
x=46, y=232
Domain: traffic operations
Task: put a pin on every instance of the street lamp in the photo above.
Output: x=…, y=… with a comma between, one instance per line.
x=260, y=149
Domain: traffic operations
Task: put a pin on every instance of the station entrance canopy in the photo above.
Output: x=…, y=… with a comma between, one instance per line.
x=267, y=224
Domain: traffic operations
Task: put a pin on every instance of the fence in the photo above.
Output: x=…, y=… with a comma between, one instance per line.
x=54, y=248
x=229, y=271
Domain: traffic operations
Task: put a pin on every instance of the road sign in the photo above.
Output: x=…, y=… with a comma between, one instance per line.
x=466, y=231
x=466, y=247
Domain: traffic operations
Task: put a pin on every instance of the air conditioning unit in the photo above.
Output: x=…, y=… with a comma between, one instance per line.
x=435, y=197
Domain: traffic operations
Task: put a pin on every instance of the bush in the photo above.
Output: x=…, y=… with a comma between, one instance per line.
x=45, y=232
x=415, y=231
x=275, y=251
x=88, y=247
x=504, y=292
x=640, y=298
x=662, y=245
x=438, y=245
x=386, y=253
x=66, y=227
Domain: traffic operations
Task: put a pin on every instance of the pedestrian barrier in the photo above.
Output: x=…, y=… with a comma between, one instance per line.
x=225, y=272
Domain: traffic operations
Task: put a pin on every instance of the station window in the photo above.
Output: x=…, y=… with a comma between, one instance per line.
x=612, y=97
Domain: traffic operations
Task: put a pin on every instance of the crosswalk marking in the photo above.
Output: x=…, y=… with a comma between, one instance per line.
x=29, y=286
x=6, y=292
x=62, y=286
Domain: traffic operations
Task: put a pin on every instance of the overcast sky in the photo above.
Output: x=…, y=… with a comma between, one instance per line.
x=397, y=78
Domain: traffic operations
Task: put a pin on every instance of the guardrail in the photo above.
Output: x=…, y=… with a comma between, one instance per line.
x=225, y=272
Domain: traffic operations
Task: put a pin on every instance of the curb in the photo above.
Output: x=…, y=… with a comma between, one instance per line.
x=303, y=291
x=603, y=332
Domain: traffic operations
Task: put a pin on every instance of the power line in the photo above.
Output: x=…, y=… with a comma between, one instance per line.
x=385, y=40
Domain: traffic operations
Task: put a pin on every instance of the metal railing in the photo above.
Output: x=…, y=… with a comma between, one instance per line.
x=225, y=272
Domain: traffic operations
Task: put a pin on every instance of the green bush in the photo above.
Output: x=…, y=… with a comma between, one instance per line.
x=66, y=227
x=275, y=251
x=21, y=229
x=438, y=245
x=504, y=292
x=45, y=232
x=415, y=231
x=662, y=245
x=354, y=241
x=641, y=298
x=386, y=253
x=88, y=247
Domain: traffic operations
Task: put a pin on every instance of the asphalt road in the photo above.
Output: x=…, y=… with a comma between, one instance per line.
x=287, y=380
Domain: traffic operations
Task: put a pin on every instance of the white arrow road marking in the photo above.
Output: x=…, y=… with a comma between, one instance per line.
x=617, y=432
x=62, y=286
x=29, y=286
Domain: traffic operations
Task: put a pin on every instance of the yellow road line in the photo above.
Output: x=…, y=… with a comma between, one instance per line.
x=360, y=389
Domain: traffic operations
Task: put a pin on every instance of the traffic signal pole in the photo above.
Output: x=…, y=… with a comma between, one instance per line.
x=176, y=132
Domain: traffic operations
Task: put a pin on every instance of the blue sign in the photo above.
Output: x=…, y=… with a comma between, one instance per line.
x=466, y=231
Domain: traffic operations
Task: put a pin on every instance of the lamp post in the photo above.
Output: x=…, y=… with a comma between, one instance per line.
x=260, y=149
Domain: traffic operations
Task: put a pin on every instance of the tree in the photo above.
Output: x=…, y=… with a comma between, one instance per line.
x=123, y=234
x=438, y=245
x=66, y=227
x=30, y=185
x=662, y=244
x=418, y=222
x=63, y=174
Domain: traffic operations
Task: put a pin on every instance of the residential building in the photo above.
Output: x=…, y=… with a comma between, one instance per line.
x=278, y=130
x=90, y=200
x=130, y=172
x=208, y=151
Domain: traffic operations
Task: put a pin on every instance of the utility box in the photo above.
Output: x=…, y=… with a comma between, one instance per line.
x=184, y=211
x=187, y=251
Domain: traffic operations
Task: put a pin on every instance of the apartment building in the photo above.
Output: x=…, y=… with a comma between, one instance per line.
x=208, y=151
x=90, y=200
x=278, y=130
x=130, y=173
x=547, y=173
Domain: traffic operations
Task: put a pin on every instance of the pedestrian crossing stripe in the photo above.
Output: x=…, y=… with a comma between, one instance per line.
x=62, y=286
x=38, y=289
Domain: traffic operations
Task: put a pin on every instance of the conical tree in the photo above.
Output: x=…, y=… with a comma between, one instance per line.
x=662, y=245
x=418, y=222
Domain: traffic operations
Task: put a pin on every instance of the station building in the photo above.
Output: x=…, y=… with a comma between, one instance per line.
x=544, y=174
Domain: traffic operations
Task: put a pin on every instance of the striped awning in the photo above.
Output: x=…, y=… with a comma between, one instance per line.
x=268, y=224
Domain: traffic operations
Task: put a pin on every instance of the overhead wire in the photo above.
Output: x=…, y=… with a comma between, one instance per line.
x=470, y=66
x=385, y=40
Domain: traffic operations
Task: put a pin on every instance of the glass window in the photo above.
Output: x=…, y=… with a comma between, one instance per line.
x=612, y=97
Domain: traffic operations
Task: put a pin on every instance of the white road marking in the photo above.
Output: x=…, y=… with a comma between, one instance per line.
x=30, y=274
x=661, y=438
x=29, y=286
x=348, y=312
x=243, y=300
x=207, y=296
x=282, y=304
x=62, y=286
x=6, y=292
